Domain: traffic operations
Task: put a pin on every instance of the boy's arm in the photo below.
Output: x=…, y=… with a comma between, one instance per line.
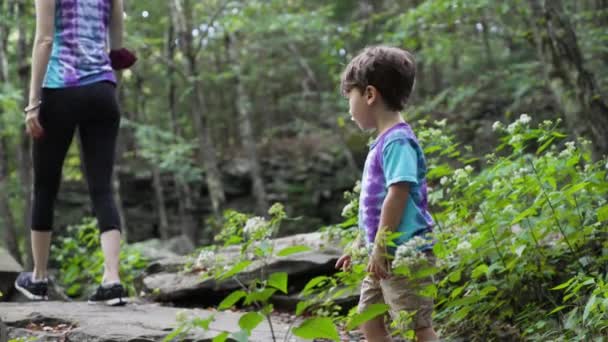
x=391, y=214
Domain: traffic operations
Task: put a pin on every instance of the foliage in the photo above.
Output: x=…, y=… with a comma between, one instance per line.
x=80, y=260
x=521, y=243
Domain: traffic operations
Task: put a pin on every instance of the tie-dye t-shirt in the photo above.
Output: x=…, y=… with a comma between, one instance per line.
x=395, y=157
x=79, y=54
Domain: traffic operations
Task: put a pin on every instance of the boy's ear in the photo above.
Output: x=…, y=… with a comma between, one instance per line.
x=371, y=94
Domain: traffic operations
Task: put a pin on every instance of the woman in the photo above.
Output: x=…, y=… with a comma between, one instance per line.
x=73, y=86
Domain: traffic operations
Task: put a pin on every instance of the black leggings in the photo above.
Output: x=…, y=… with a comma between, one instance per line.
x=94, y=110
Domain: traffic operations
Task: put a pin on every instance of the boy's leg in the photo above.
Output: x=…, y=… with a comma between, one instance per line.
x=403, y=294
x=374, y=330
x=426, y=335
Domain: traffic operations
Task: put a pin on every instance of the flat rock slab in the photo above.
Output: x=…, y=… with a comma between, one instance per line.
x=78, y=321
x=165, y=282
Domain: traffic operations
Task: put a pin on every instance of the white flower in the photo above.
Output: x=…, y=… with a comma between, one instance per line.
x=444, y=180
x=606, y=166
x=357, y=188
x=515, y=139
x=348, y=209
x=460, y=174
x=511, y=128
x=497, y=126
x=409, y=253
x=441, y=123
x=478, y=219
x=181, y=316
x=464, y=246
x=496, y=184
x=254, y=225
x=468, y=168
x=570, y=145
x=524, y=118
x=206, y=258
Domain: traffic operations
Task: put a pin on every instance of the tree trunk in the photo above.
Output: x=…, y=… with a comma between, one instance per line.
x=163, y=222
x=243, y=107
x=206, y=152
x=7, y=220
x=24, y=150
x=485, y=34
x=182, y=188
x=571, y=83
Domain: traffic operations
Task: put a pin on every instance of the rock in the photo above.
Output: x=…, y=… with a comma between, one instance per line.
x=153, y=249
x=180, y=245
x=9, y=270
x=167, y=283
x=79, y=321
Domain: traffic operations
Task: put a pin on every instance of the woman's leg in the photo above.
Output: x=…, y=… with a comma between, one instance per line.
x=48, y=155
x=98, y=133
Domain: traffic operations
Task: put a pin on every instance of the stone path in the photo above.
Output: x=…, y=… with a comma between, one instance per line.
x=78, y=321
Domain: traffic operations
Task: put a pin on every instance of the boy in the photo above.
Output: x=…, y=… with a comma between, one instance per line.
x=378, y=83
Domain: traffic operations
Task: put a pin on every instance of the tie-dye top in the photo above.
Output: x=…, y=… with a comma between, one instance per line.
x=395, y=157
x=79, y=54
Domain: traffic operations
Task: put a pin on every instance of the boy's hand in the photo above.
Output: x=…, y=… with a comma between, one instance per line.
x=344, y=262
x=377, y=265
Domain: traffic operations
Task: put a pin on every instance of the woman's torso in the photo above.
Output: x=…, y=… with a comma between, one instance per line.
x=79, y=54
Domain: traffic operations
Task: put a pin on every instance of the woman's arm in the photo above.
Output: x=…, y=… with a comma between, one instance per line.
x=43, y=45
x=116, y=25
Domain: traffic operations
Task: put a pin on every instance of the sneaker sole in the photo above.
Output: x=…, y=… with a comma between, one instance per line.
x=111, y=302
x=28, y=294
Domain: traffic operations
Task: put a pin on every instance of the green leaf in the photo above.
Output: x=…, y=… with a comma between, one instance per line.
x=479, y=271
x=235, y=270
x=545, y=145
x=301, y=306
x=462, y=313
x=279, y=281
x=175, y=333
x=260, y=296
x=559, y=308
x=602, y=213
x=293, y=250
x=371, y=312
x=203, y=323
x=564, y=285
x=588, y=307
x=221, y=337
x=314, y=282
x=232, y=299
x=526, y=213
x=317, y=327
x=250, y=320
x=241, y=336
x=577, y=188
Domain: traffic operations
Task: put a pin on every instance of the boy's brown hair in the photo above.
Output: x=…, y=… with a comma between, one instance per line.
x=390, y=70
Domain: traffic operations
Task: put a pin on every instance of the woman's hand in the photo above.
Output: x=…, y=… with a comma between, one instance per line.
x=32, y=124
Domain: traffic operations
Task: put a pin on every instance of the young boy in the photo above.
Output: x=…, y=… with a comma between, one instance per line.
x=378, y=83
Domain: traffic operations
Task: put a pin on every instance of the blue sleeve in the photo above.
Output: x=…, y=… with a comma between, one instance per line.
x=399, y=162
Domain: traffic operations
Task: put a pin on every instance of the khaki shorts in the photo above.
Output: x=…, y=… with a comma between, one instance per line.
x=401, y=294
